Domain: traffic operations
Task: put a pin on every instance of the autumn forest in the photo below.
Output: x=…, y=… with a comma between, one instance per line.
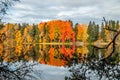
x=37, y=42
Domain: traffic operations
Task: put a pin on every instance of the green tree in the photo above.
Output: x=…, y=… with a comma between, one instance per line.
x=46, y=32
x=21, y=28
x=102, y=33
x=76, y=30
x=32, y=32
x=93, y=32
x=36, y=34
x=96, y=32
x=1, y=25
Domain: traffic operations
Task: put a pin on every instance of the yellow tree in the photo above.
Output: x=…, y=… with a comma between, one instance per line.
x=108, y=36
x=18, y=39
x=79, y=32
x=26, y=37
x=84, y=34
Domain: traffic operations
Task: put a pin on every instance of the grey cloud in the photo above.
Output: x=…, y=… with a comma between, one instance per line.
x=76, y=10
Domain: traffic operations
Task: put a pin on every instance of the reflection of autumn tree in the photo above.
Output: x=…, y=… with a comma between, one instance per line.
x=81, y=53
x=19, y=52
x=43, y=52
x=67, y=51
x=56, y=55
x=31, y=53
x=67, y=54
x=54, y=58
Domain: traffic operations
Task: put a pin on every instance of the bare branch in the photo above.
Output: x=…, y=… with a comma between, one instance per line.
x=111, y=29
x=110, y=43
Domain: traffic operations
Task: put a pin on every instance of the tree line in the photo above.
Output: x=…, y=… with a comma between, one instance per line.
x=56, y=31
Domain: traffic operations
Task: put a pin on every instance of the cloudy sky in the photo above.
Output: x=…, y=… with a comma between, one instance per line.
x=82, y=11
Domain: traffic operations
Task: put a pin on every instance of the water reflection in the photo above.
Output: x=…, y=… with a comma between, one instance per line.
x=57, y=55
x=96, y=66
x=18, y=52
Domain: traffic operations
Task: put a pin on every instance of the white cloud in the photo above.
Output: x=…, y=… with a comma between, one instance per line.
x=77, y=10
